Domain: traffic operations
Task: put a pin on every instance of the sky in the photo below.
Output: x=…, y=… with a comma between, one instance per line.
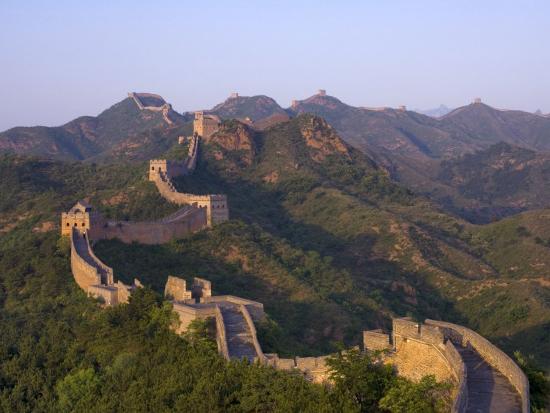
x=63, y=59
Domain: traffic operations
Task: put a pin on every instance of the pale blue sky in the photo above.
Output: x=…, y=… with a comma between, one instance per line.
x=61, y=59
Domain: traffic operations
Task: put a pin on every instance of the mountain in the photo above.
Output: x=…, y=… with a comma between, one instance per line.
x=89, y=136
x=438, y=112
x=259, y=111
x=463, y=130
x=485, y=185
x=384, y=130
x=488, y=125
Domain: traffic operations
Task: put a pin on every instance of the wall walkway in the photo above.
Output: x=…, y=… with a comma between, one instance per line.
x=493, y=379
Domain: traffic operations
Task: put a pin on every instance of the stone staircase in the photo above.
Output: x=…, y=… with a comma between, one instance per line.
x=239, y=337
x=489, y=391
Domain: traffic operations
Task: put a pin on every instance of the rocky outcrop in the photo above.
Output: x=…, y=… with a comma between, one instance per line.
x=235, y=136
x=320, y=136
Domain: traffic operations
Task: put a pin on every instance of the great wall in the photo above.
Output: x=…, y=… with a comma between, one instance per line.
x=154, y=103
x=484, y=378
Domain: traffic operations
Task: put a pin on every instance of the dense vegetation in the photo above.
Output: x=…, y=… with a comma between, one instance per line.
x=60, y=352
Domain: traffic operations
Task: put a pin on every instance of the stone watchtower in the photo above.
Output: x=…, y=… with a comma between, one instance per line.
x=205, y=125
x=322, y=92
x=80, y=216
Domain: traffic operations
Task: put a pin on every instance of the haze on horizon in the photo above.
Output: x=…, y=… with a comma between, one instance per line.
x=62, y=59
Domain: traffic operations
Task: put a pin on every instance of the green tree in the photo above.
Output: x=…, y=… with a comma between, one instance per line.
x=78, y=390
x=361, y=377
x=427, y=396
x=539, y=383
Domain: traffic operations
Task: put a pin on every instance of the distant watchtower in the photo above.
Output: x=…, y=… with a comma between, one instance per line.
x=322, y=92
x=233, y=95
x=477, y=100
x=402, y=108
x=205, y=125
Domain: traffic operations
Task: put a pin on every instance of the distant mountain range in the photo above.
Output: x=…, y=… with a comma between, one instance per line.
x=438, y=112
x=408, y=144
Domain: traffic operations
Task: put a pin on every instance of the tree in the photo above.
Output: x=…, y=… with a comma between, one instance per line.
x=77, y=390
x=363, y=377
x=427, y=396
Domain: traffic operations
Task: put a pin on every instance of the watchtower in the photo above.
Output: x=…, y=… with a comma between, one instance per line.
x=79, y=217
x=205, y=125
x=322, y=92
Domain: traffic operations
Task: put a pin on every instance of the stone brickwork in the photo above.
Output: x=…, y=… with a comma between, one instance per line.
x=376, y=340
x=176, y=289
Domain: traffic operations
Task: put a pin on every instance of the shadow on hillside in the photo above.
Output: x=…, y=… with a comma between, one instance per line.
x=309, y=325
x=254, y=204
x=301, y=322
x=530, y=341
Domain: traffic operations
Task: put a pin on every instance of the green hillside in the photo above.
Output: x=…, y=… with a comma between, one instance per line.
x=320, y=234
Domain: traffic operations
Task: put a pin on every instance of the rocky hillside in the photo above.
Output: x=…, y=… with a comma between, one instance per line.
x=485, y=185
x=87, y=136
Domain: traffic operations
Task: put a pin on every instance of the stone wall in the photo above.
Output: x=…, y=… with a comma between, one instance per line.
x=152, y=232
x=84, y=273
x=187, y=313
x=314, y=369
x=154, y=103
x=221, y=334
x=216, y=207
x=376, y=340
x=252, y=328
x=176, y=289
x=201, y=289
x=205, y=125
x=490, y=353
x=418, y=350
x=93, y=276
x=161, y=172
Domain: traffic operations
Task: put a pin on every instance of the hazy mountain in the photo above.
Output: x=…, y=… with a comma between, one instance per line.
x=438, y=112
x=485, y=185
x=88, y=136
x=253, y=107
